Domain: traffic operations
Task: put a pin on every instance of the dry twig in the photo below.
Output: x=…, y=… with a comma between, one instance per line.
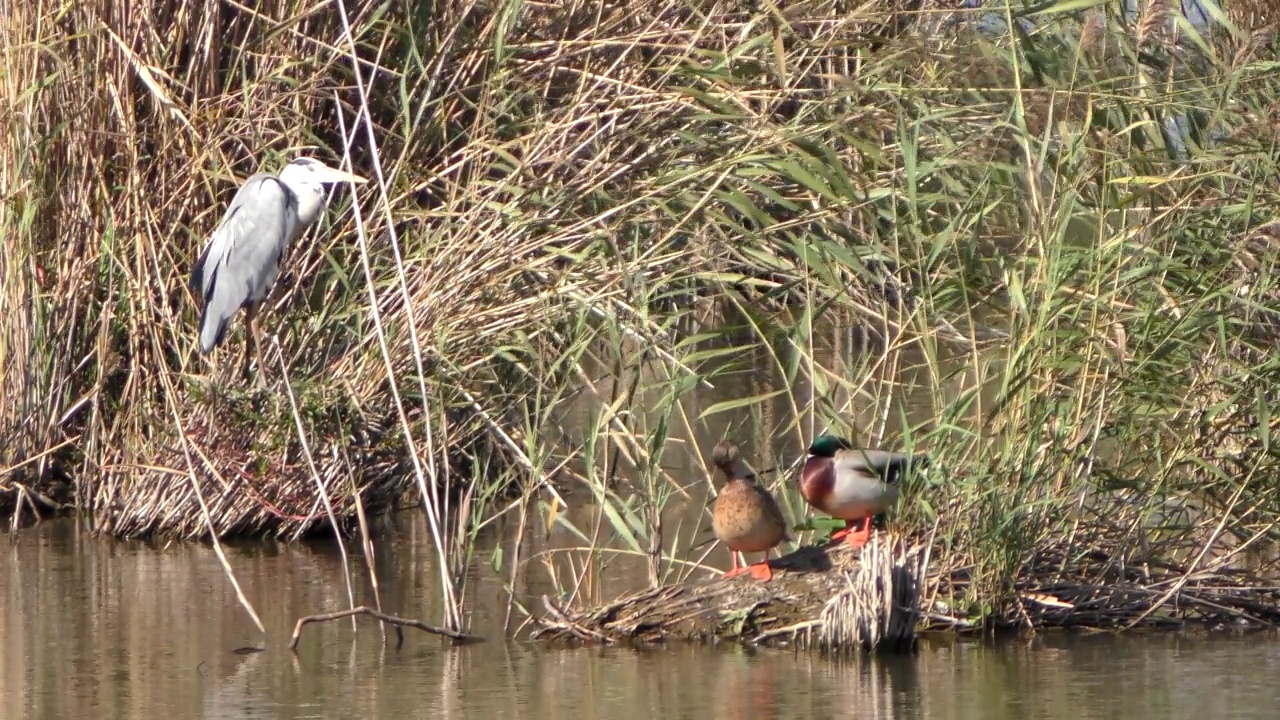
x=458, y=638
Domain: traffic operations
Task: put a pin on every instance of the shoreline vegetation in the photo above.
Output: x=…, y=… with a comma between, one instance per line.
x=1062, y=240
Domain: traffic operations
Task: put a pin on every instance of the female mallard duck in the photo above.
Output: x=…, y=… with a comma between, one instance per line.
x=745, y=516
x=853, y=485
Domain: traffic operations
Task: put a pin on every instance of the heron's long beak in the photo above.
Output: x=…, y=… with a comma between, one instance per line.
x=337, y=176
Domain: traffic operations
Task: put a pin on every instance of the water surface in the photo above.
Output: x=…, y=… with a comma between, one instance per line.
x=96, y=628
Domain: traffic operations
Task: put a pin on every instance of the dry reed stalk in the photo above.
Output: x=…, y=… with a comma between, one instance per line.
x=320, y=486
x=1256, y=45
x=1112, y=574
x=1155, y=24
x=31, y=412
x=1252, y=15
x=881, y=603
x=208, y=524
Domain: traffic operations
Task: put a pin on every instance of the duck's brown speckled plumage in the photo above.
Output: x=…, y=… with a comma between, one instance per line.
x=744, y=516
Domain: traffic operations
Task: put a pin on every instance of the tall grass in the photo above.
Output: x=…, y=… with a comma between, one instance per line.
x=1060, y=246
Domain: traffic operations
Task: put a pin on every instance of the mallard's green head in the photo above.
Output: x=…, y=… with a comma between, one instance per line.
x=828, y=446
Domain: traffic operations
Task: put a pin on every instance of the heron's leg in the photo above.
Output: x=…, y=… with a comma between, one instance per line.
x=261, y=380
x=250, y=311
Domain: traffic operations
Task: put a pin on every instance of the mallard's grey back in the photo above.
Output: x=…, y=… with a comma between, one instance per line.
x=888, y=465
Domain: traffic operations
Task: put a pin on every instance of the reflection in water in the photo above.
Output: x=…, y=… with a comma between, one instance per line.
x=95, y=628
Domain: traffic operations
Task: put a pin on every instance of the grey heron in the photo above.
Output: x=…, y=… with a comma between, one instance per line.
x=241, y=260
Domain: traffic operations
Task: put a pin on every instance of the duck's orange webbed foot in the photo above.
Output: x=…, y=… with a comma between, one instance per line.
x=855, y=532
x=761, y=571
x=843, y=533
x=858, y=538
x=736, y=570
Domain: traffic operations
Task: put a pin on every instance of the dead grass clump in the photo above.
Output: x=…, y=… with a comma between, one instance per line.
x=251, y=487
x=881, y=603
x=1099, y=579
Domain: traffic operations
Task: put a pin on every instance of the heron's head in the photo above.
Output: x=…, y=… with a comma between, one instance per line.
x=309, y=171
x=307, y=177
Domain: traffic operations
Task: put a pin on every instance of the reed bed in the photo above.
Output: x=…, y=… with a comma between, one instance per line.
x=1060, y=237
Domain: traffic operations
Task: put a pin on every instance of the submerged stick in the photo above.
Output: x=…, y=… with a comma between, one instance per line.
x=457, y=637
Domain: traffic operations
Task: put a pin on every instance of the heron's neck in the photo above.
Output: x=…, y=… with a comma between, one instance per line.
x=310, y=197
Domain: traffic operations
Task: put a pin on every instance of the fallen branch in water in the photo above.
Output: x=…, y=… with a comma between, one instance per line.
x=457, y=637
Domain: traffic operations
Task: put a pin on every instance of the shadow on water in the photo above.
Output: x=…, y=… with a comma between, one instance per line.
x=99, y=628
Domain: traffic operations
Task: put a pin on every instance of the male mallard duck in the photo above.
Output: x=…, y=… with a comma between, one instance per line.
x=745, y=516
x=853, y=485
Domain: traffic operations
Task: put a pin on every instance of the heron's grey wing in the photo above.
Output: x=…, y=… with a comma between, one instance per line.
x=243, y=255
